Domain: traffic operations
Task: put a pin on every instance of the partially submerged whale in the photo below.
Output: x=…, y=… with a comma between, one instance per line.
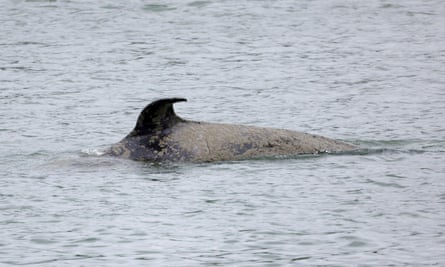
x=162, y=136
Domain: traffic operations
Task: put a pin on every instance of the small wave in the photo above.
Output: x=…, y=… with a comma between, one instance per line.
x=411, y=146
x=93, y=152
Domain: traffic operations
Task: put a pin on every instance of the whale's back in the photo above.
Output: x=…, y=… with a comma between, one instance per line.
x=216, y=142
x=161, y=135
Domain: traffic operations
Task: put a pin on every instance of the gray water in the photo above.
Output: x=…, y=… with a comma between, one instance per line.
x=74, y=76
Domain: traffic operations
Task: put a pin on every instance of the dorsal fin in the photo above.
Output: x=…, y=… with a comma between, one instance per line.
x=157, y=116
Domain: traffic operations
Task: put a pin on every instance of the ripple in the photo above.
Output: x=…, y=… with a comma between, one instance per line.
x=157, y=8
x=384, y=184
x=199, y=3
x=42, y=241
x=87, y=240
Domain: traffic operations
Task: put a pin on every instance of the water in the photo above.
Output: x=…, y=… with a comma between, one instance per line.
x=75, y=74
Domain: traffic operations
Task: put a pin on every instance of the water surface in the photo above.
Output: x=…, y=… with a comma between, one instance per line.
x=74, y=76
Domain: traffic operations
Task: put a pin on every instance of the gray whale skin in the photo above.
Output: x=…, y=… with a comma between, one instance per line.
x=162, y=136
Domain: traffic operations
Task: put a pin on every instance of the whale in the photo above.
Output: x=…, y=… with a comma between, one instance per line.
x=162, y=136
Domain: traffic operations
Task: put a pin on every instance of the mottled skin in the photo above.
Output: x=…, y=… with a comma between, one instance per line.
x=160, y=135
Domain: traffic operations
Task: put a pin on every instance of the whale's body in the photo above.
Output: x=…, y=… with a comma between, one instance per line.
x=160, y=135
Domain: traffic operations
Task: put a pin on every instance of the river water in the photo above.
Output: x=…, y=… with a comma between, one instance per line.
x=74, y=76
